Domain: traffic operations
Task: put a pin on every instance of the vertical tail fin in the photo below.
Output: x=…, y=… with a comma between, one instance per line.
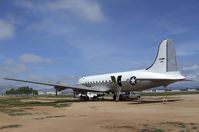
x=166, y=58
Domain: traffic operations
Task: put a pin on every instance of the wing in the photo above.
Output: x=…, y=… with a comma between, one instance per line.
x=62, y=86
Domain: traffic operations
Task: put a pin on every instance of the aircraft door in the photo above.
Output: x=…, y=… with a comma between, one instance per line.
x=113, y=80
x=119, y=81
x=116, y=82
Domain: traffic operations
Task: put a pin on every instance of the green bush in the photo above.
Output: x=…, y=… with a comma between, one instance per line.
x=22, y=90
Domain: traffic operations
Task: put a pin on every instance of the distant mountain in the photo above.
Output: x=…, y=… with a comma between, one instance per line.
x=176, y=87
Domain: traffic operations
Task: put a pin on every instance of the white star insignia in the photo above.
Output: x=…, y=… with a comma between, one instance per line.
x=133, y=80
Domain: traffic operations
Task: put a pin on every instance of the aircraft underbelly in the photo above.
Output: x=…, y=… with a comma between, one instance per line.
x=140, y=85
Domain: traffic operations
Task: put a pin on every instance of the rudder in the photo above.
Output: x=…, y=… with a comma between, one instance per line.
x=166, y=58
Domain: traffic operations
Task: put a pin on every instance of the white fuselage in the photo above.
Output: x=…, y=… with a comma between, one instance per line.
x=144, y=80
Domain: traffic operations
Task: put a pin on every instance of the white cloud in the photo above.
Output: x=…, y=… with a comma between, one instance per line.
x=30, y=58
x=7, y=30
x=88, y=9
x=61, y=17
x=191, y=77
x=192, y=73
x=34, y=59
x=21, y=65
x=190, y=68
x=174, y=29
x=187, y=48
x=12, y=69
x=25, y=3
x=9, y=61
x=51, y=27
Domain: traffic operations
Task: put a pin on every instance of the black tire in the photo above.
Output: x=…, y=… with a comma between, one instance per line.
x=138, y=97
x=82, y=98
x=114, y=97
x=87, y=98
x=95, y=97
x=121, y=97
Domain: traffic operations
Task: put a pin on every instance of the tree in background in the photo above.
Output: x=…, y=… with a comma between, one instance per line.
x=22, y=90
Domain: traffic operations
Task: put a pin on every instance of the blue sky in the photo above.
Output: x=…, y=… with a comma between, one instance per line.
x=66, y=39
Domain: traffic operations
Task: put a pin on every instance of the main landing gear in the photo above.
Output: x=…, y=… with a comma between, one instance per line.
x=127, y=96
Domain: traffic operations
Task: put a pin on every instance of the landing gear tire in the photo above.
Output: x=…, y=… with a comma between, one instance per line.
x=114, y=97
x=81, y=98
x=120, y=97
x=95, y=98
x=138, y=97
x=84, y=98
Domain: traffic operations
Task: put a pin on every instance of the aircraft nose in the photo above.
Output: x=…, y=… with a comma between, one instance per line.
x=80, y=80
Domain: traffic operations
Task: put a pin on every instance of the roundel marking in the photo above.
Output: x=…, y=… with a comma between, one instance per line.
x=133, y=80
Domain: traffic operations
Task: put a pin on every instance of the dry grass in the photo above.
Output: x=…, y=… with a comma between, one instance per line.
x=15, y=106
x=10, y=126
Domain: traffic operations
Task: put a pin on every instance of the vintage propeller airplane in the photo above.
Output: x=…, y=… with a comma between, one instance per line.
x=161, y=73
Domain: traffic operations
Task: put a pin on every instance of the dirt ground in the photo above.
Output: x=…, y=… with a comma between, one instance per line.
x=180, y=113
